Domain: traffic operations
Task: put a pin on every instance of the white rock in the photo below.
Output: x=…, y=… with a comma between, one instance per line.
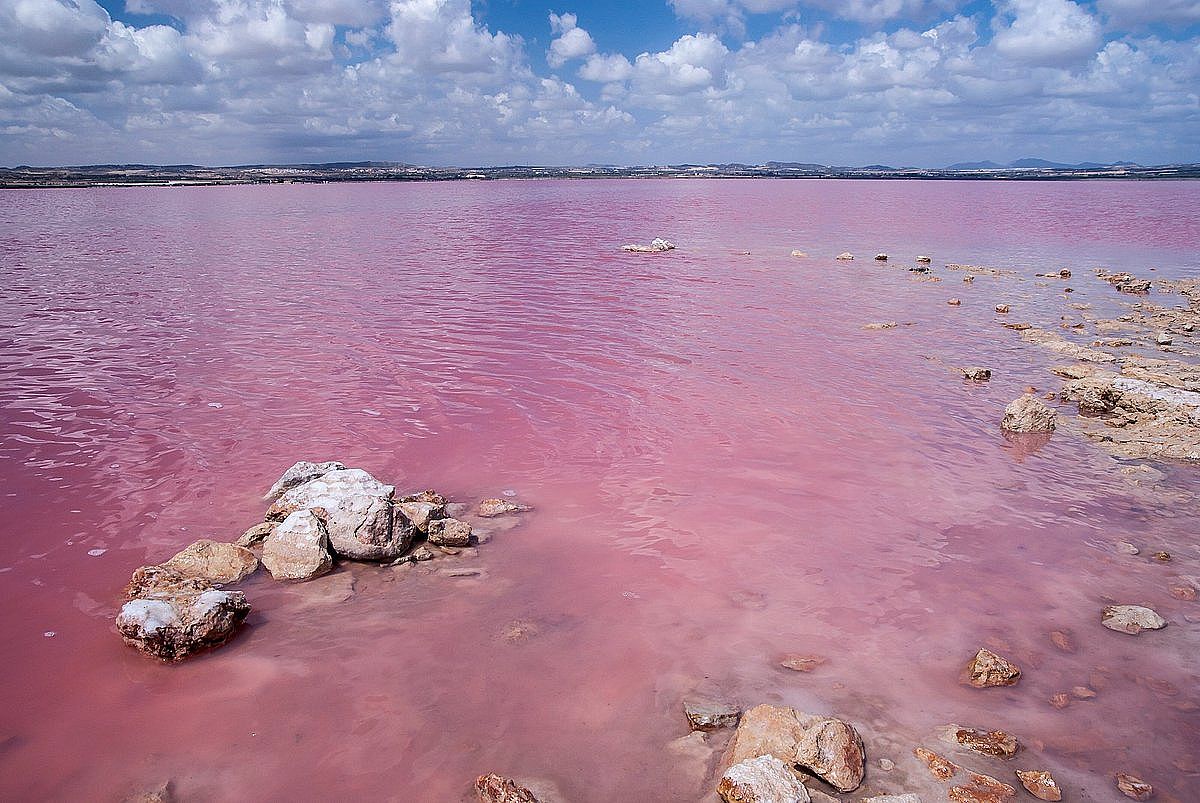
x=298, y=548
x=299, y=474
x=1131, y=619
x=357, y=513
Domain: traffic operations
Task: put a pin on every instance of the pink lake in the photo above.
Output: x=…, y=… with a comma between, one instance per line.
x=724, y=467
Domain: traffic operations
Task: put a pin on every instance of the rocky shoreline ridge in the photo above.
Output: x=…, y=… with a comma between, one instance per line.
x=319, y=513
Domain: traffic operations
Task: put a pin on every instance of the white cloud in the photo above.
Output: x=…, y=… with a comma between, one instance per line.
x=1138, y=12
x=1047, y=32
x=606, y=68
x=572, y=43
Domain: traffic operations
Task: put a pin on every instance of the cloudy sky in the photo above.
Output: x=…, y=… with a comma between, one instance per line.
x=901, y=82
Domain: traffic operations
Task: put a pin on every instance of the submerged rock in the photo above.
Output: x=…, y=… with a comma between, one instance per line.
x=706, y=715
x=1028, y=414
x=988, y=743
x=498, y=789
x=1040, y=784
x=954, y=302
x=163, y=793
x=828, y=748
x=298, y=548
x=299, y=474
x=1131, y=619
x=449, y=532
x=924, y=260
x=172, y=625
x=989, y=669
x=214, y=561
x=939, y=766
x=764, y=779
x=490, y=508
x=1134, y=787
x=359, y=514
x=881, y=257
x=1003, y=309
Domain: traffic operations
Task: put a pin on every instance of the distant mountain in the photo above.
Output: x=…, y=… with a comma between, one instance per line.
x=975, y=166
x=1031, y=163
x=795, y=166
x=879, y=168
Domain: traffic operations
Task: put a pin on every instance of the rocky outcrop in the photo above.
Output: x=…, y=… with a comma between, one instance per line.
x=658, y=245
x=1135, y=418
x=498, y=789
x=1057, y=343
x=988, y=669
x=214, y=561
x=764, y=779
x=449, y=532
x=298, y=548
x=708, y=715
x=1125, y=282
x=1040, y=784
x=172, y=616
x=1131, y=619
x=299, y=474
x=490, y=508
x=1028, y=414
x=828, y=748
x=359, y=514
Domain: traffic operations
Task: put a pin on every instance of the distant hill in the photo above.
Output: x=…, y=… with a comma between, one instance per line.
x=1031, y=163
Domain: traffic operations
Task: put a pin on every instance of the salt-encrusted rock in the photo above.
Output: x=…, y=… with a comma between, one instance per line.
x=498, y=789
x=1134, y=787
x=976, y=374
x=1163, y=339
x=358, y=514
x=845, y=256
x=988, y=669
x=1131, y=619
x=256, y=534
x=658, y=245
x=214, y=561
x=172, y=626
x=1028, y=414
x=764, y=779
x=298, y=548
x=490, y=508
x=939, y=766
x=299, y=474
x=799, y=254
x=1040, y=784
x=828, y=748
x=908, y=797
x=158, y=579
x=708, y=715
x=449, y=532
x=988, y=743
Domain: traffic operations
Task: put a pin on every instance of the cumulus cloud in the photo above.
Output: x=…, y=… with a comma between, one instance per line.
x=572, y=43
x=1046, y=32
x=1139, y=12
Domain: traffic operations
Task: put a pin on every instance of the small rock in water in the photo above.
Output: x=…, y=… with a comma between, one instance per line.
x=256, y=534
x=764, y=779
x=1082, y=693
x=705, y=715
x=95, y=553
x=955, y=302
x=976, y=374
x=300, y=473
x=298, y=548
x=1060, y=700
x=172, y=626
x=882, y=325
x=490, y=508
x=449, y=532
x=981, y=789
x=845, y=256
x=658, y=245
x=881, y=257
x=801, y=663
x=422, y=554
x=924, y=259
x=1134, y=787
x=1062, y=640
x=498, y=789
x=1162, y=557
x=421, y=511
x=1163, y=339
x=988, y=743
x=1028, y=414
x=214, y=561
x=968, y=279
x=828, y=748
x=989, y=669
x=1040, y=784
x=1003, y=309
x=1185, y=593
x=939, y=766
x=1131, y=619
x=1126, y=548
x=163, y=793
x=799, y=254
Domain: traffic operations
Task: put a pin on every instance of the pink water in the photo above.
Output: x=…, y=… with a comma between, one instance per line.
x=724, y=465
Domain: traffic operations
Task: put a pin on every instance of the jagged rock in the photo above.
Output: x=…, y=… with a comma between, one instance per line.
x=1003, y=309
x=421, y=511
x=358, y=514
x=214, y=561
x=1028, y=414
x=1040, y=784
x=845, y=256
x=1131, y=619
x=988, y=743
x=954, y=302
x=256, y=534
x=490, y=508
x=658, y=245
x=939, y=766
x=706, y=715
x=449, y=532
x=828, y=748
x=299, y=474
x=498, y=789
x=764, y=779
x=172, y=625
x=976, y=374
x=298, y=548
x=1134, y=787
x=988, y=669
x=981, y=789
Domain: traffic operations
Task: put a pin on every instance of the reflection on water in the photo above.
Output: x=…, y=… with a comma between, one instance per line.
x=725, y=467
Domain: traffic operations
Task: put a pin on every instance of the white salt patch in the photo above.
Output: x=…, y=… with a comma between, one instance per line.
x=150, y=614
x=49, y=634
x=95, y=553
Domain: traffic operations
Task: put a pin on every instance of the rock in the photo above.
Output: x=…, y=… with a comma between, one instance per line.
x=1040, y=784
x=1028, y=414
x=905, y=798
x=988, y=743
x=159, y=580
x=1060, y=700
x=981, y=789
x=886, y=764
x=968, y=279
x=828, y=748
x=988, y=669
x=490, y=508
x=1184, y=593
x=429, y=496
x=256, y=534
x=1131, y=619
x=1062, y=640
x=422, y=554
x=172, y=625
x=1003, y=309
x=163, y=793
x=976, y=374
x=801, y=663
x=1019, y=326
x=658, y=245
x=358, y=514
x=955, y=302
x=882, y=325
x=497, y=789
x=421, y=512
x=1162, y=557
x=299, y=474
x=1126, y=548
x=919, y=269
x=939, y=766
x=845, y=256
x=1163, y=339
x=1082, y=693
x=214, y=561
x=881, y=257
x=1134, y=787
x=689, y=767
x=764, y=779
x=298, y=549
x=799, y=254
x=705, y=715
x=449, y=532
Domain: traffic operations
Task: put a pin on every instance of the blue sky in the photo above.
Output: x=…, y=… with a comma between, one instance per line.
x=905, y=82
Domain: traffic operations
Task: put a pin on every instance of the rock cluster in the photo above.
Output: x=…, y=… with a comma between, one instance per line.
x=1125, y=282
x=826, y=747
x=657, y=246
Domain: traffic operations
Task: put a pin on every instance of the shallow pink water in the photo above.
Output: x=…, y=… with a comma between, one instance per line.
x=725, y=467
